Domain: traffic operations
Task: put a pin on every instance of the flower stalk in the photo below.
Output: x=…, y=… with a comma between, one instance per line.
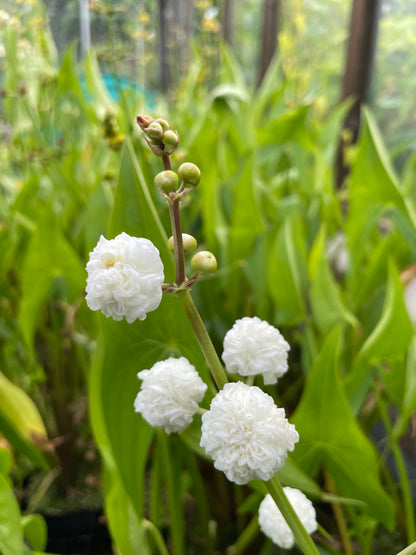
x=181, y=288
x=302, y=538
x=175, y=221
x=204, y=340
x=409, y=550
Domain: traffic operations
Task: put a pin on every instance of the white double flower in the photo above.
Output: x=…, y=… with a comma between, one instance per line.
x=125, y=277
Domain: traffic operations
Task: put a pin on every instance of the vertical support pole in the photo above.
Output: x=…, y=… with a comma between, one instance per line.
x=358, y=69
x=84, y=21
x=227, y=28
x=269, y=36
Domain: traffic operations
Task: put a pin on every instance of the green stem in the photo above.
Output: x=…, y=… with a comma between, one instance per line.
x=409, y=550
x=339, y=516
x=245, y=539
x=156, y=535
x=301, y=536
x=204, y=340
x=217, y=370
x=175, y=220
x=166, y=162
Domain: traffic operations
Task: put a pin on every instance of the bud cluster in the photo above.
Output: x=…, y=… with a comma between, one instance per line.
x=161, y=139
x=167, y=181
x=173, y=185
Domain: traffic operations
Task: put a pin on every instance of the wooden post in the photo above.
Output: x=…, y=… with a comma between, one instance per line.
x=358, y=70
x=227, y=28
x=269, y=36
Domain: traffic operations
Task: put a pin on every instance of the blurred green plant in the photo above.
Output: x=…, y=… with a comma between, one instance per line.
x=324, y=266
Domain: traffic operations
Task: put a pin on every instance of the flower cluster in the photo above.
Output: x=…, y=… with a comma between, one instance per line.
x=274, y=526
x=170, y=393
x=247, y=436
x=245, y=433
x=125, y=277
x=252, y=347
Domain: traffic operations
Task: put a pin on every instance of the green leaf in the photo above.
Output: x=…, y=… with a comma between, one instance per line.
x=246, y=221
x=68, y=78
x=388, y=341
x=287, y=274
x=330, y=436
x=230, y=92
x=292, y=475
x=49, y=256
x=134, y=211
x=409, y=399
x=288, y=127
x=375, y=276
x=11, y=534
x=6, y=461
x=97, y=213
x=373, y=191
x=126, y=529
x=102, y=100
x=35, y=531
x=20, y=421
x=124, y=523
x=327, y=305
x=272, y=86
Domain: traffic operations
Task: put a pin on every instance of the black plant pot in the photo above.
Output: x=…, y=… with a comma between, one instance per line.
x=78, y=533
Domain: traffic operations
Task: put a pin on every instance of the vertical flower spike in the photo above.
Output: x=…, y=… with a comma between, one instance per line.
x=274, y=526
x=252, y=346
x=170, y=393
x=247, y=436
x=125, y=277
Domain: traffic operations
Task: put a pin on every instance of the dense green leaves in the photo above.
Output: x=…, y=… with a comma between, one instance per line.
x=374, y=193
x=267, y=209
x=388, y=341
x=330, y=436
x=50, y=259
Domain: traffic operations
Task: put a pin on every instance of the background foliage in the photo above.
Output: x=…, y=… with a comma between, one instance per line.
x=323, y=265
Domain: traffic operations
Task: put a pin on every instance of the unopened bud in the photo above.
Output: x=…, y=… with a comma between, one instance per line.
x=166, y=181
x=189, y=173
x=154, y=131
x=204, y=262
x=163, y=123
x=189, y=243
x=144, y=121
x=171, y=141
x=155, y=147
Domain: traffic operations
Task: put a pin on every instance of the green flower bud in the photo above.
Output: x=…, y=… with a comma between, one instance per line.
x=154, y=131
x=155, y=147
x=189, y=173
x=171, y=244
x=163, y=123
x=171, y=141
x=204, y=262
x=189, y=243
x=166, y=181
